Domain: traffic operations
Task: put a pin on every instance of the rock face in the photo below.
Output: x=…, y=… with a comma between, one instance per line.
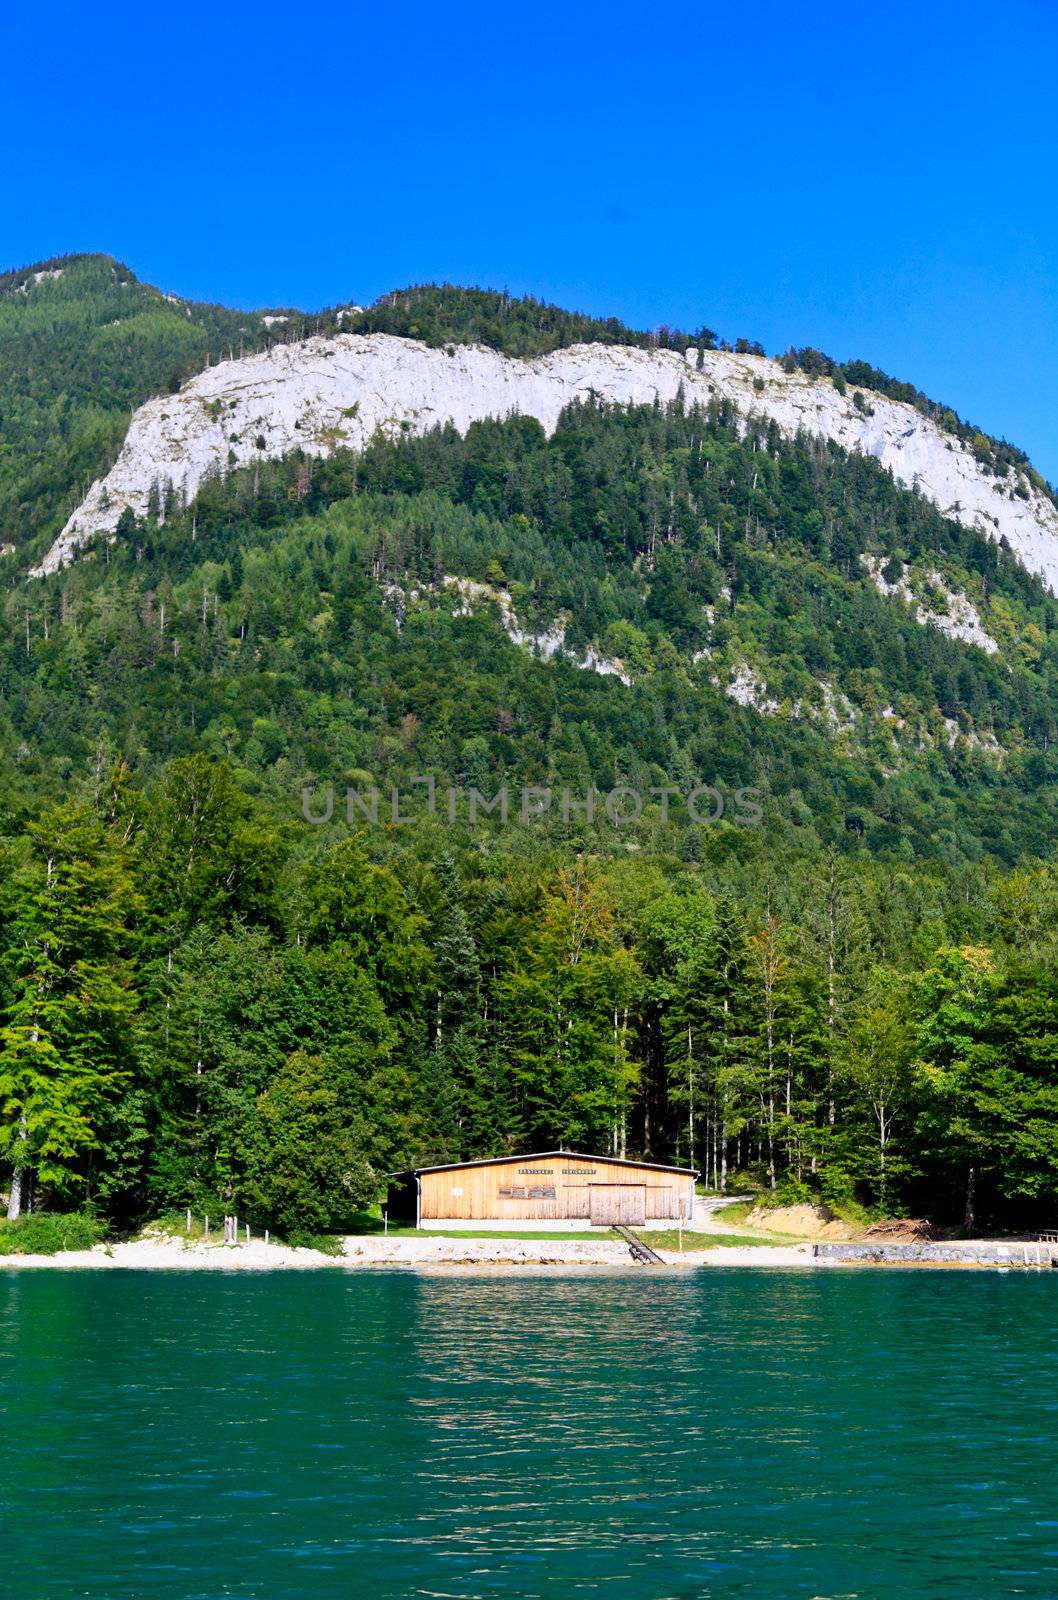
x=955, y=614
x=325, y=393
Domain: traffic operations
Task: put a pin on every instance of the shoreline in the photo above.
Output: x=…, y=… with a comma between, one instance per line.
x=368, y=1252
x=371, y=1252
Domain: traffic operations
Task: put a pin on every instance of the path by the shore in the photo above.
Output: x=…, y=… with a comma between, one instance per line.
x=421, y=1252
x=404, y=1250
x=829, y=1245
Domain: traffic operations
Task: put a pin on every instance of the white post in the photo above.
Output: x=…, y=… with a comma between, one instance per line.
x=385, y=1222
x=266, y=1236
x=247, y=1233
x=188, y=1228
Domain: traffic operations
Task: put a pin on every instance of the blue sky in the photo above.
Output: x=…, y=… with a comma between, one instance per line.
x=877, y=181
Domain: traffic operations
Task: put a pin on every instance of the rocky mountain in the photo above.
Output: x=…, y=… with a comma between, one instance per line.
x=521, y=544
x=453, y=546
x=321, y=393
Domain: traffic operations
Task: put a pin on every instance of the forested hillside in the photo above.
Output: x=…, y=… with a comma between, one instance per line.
x=210, y=999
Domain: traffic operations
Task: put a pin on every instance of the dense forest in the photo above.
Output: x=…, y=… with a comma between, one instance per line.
x=309, y=620
x=208, y=999
x=204, y=1009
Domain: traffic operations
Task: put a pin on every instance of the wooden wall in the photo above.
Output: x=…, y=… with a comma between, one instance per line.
x=554, y=1188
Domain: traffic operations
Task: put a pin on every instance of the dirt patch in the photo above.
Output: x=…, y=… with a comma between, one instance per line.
x=901, y=1230
x=803, y=1222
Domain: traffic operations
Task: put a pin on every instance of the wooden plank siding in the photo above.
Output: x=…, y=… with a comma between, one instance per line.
x=554, y=1188
x=618, y=1202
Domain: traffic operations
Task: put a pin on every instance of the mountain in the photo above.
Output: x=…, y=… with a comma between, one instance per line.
x=455, y=542
x=321, y=394
x=788, y=580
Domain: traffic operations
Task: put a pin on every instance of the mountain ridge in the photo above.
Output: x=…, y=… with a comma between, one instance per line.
x=739, y=581
x=321, y=392
x=439, y=315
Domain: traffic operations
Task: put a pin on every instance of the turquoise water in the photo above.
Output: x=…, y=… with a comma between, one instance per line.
x=635, y=1436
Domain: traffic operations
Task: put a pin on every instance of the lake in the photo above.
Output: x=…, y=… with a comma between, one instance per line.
x=635, y=1435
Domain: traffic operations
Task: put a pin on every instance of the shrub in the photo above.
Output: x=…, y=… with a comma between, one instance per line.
x=790, y=1191
x=45, y=1233
x=327, y=1243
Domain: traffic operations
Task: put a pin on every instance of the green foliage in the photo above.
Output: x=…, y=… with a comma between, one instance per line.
x=325, y=1243
x=310, y=1169
x=566, y=1009
x=45, y=1233
x=318, y=638
x=277, y=1060
x=446, y=314
x=83, y=342
x=441, y=314
x=65, y=1044
x=207, y=1001
x=996, y=455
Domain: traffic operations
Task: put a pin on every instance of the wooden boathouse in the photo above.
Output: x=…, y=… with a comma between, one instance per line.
x=554, y=1186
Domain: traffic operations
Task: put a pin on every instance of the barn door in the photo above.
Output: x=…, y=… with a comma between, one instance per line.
x=664, y=1202
x=618, y=1202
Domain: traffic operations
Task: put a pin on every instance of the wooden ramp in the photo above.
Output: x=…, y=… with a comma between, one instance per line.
x=640, y=1252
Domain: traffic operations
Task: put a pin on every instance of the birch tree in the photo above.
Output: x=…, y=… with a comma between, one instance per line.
x=875, y=1066
x=66, y=1044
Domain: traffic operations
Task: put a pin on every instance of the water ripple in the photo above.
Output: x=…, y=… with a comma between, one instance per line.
x=785, y=1436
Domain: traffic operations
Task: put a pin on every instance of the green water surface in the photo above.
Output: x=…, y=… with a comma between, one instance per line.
x=640, y=1436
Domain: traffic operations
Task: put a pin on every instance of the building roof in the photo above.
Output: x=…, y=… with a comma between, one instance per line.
x=545, y=1155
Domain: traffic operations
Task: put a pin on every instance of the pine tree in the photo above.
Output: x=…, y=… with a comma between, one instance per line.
x=476, y=1096
x=678, y=940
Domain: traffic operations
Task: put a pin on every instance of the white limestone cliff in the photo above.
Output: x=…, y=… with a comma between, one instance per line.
x=323, y=393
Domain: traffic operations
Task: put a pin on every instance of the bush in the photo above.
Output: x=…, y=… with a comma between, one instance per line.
x=790, y=1191
x=327, y=1243
x=838, y=1194
x=45, y=1233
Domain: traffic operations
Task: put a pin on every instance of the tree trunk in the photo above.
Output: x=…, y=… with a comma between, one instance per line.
x=971, y=1183
x=14, y=1203
x=690, y=1092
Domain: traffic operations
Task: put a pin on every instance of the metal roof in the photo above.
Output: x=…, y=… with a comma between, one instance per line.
x=546, y=1155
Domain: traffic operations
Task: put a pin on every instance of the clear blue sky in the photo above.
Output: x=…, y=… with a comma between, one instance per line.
x=876, y=180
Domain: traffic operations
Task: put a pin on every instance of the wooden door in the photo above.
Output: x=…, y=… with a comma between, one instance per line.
x=663, y=1202
x=618, y=1202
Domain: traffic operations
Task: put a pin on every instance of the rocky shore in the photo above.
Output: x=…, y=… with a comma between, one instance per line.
x=405, y=1250
x=161, y=1252
x=928, y=1253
